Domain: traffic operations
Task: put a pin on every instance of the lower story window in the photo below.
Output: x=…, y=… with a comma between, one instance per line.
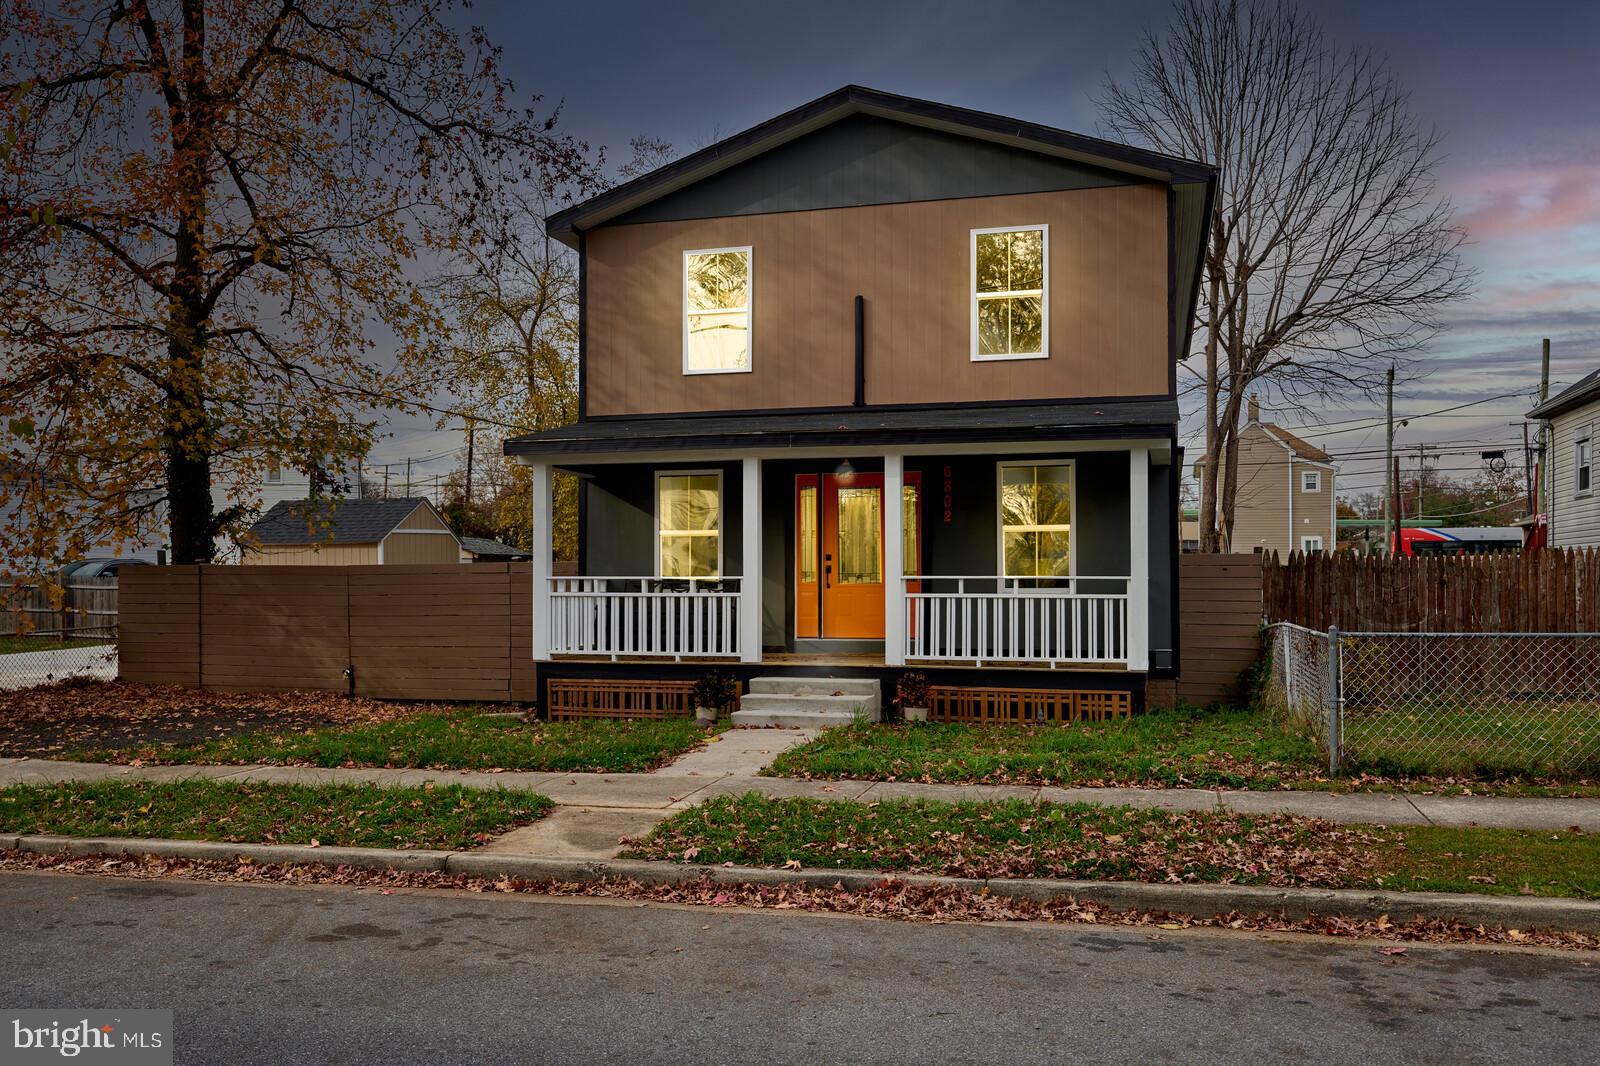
x=1310, y=544
x=1036, y=519
x=689, y=524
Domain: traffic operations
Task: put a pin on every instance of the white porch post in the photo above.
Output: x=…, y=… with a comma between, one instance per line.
x=1139, y=559
x=542, y=548
x=894, y=563
x=750, y=577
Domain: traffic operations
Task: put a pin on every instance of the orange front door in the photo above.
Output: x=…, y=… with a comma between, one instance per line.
x=839, y=563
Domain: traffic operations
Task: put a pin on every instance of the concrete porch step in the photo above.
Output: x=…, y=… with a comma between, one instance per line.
x=805, y=710
x=861, y=687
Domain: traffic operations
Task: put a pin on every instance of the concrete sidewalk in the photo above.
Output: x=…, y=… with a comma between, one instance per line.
x=732, y=770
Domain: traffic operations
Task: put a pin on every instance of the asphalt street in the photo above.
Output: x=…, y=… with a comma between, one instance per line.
x=269, y=974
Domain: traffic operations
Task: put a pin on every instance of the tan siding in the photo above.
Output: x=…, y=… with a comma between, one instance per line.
x=1262, y=514
x=1575, y=520
x=912, y=262
x=422, y=518
x=307, y=555
x=420, y=548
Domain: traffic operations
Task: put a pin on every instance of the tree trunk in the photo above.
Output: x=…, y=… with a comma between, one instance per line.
x=1209, y=541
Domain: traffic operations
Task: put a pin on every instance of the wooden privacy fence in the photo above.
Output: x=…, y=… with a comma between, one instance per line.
x=444, y=632
x=78, y=604
x=1219, y=620
x=1556, y=590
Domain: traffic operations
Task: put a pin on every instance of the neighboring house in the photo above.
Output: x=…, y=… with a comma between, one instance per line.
x=1285, y=500
x=1189, y=530
x=351, y=532
x=1571, y=418
x=878, y=383
x=484, y=550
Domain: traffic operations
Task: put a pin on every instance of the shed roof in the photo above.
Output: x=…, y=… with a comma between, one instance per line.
x=493, y=549
x=334, y=520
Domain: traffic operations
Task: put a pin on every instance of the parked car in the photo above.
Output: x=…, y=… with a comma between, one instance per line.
x=99, y=567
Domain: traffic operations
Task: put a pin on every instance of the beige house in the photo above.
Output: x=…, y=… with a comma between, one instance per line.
x=339, y=532
x=1571, y=505
x=1285, y=500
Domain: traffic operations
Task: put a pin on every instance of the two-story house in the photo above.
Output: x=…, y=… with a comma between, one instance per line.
x=1572, y=509
x=877, y=384
x=1285, y=500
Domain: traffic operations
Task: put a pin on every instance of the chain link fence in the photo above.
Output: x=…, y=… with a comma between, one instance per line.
x=1443, y=703
x=42, y=657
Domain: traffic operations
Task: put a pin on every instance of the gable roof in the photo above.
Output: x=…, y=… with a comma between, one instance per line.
x=1583, y=390
x=565, y=225
x=1300, y=448
x=334, y=521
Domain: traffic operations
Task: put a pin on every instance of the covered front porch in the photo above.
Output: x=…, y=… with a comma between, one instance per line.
x=1026, y=555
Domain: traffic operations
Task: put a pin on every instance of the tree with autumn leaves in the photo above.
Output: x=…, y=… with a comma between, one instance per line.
x=212, y=217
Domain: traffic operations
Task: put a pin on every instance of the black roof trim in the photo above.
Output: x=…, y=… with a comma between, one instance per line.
x=855, y=99
x=1115, y=419
x=1585, y=388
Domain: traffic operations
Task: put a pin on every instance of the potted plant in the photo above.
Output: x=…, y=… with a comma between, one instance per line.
x=711, y=693
x=911, y=693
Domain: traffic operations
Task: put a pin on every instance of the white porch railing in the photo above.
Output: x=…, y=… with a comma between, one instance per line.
x=1056, y=621
x=678, y=618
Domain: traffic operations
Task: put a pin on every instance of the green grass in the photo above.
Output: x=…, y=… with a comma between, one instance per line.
x=335, y=815
x=455, y=740
x=1186, y=747
x=16, y=645
x=1487, y=741
x=1181, y=748
x=1019, y=839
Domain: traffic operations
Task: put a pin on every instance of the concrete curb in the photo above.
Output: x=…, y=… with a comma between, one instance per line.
x=1203, y=901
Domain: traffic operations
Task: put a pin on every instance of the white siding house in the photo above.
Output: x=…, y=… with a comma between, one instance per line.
x=1572, y=419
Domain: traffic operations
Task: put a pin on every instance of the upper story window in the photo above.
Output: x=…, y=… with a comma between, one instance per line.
x=717, y=283
x=1036, y=519
x=1010, y=279
x=689, y=524
x=1583, y=480
x=1310, y=481
x=274, y=473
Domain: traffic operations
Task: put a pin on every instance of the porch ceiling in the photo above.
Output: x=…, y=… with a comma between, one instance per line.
x=857, y=427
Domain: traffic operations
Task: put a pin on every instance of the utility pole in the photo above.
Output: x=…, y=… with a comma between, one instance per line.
x=386, y=481
x=1544, y=449
x=471, y=428
x=1389, y=483
x=408, y=477
x=1527, y=469
x=1422, y=481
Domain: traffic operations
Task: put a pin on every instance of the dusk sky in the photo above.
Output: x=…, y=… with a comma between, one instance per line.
x=1514, y=88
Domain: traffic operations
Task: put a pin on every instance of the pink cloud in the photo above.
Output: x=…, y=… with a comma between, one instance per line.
x=1523, y=200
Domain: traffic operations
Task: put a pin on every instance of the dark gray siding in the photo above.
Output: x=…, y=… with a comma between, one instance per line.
x=619, y=518
x=1163, y=582
x=868, y=160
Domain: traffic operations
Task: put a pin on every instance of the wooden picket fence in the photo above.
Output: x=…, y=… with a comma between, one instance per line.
x=1556, y=590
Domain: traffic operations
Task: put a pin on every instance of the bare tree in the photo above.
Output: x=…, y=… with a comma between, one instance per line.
x=1330, y=252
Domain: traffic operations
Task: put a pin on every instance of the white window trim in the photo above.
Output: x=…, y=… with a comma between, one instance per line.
x=1000, y=519
x=972, y=295
x=1306, y=546
x=1310, y=481
x=722, y=503
x=749, y=305
x=1577, y=464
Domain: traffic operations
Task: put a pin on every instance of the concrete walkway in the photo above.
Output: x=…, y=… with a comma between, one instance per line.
x=729, y=766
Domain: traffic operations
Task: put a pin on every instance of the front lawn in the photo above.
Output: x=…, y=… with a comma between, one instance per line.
x=1183, y=748
x=367, y=816
x=1083, y=842
x=441, y=738
x=18, y=643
